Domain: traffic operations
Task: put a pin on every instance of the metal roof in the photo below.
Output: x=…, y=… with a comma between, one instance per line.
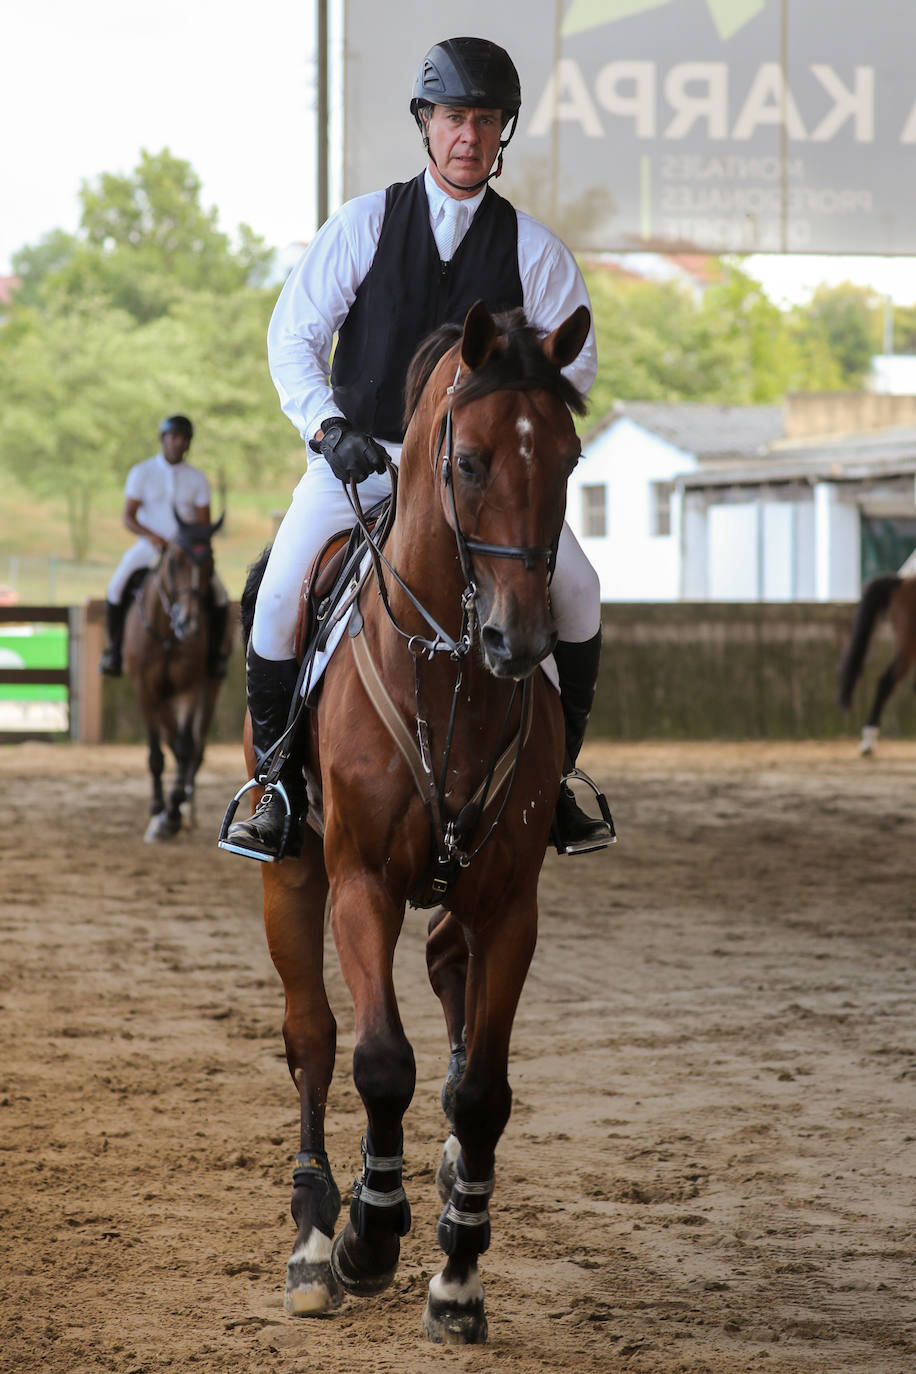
x=706, y=431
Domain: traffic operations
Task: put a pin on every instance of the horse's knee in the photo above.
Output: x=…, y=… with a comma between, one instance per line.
x=482, y=1106
x=385, y=1071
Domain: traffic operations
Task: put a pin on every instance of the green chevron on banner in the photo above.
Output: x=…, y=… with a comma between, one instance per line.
x=728, y=15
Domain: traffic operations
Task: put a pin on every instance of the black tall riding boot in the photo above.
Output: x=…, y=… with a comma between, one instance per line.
x=110, y=661
x=572, y=831
x=271, y=686
x=216, y=634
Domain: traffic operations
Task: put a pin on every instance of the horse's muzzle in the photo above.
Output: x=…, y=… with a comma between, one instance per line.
x=512, y=655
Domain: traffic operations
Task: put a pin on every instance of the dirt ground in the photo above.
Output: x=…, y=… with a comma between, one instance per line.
x=710, y=1162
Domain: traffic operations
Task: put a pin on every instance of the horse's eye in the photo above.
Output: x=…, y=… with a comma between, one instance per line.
x=470, y=464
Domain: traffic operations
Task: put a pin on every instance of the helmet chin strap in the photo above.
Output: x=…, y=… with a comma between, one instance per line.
x=477, y=184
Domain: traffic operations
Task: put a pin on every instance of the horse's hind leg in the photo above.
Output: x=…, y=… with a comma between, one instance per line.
x=295, y=893
x=366, y=927
x=892, y=675
x=502, y=952
x=447, y=966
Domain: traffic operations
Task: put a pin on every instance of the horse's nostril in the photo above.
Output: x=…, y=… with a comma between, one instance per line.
x=495, y=643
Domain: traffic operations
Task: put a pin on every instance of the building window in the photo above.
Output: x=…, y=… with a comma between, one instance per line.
x=660, y=507
x=594, y=512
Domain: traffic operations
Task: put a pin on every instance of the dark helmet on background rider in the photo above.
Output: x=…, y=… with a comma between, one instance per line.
x=468, y=71
x=177, y=424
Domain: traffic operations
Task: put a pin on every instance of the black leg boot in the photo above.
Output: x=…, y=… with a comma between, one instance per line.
x=110, y=661
x=572, y=831
x=271, y=687
x=216, y=634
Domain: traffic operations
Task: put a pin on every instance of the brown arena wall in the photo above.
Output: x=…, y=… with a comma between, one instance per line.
x=679, y=670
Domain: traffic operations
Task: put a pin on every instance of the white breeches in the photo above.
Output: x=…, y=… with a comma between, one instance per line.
x=320, y=509
x=139, y=555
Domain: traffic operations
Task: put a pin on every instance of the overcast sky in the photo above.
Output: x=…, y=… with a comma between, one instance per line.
x=228, y=86
x=225, y=84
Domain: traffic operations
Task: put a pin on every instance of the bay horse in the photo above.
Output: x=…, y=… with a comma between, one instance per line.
x=438, y=754
x=165, y=654
x=893, y=598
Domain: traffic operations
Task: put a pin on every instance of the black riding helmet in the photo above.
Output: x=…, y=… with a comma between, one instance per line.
x=469, y=71
x=177, y=424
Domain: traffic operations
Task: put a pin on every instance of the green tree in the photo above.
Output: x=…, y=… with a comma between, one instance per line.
x=144, y=242
x=905, y=329
x=847, y=319
x=77, y=391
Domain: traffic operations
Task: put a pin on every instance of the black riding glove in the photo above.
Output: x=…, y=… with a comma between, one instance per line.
x=349, y=453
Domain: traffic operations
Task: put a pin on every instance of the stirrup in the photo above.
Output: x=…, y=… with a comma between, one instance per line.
x=224, y=843
x=599, y=841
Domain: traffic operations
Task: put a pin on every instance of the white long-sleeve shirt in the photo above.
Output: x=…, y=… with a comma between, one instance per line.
x=320, y=290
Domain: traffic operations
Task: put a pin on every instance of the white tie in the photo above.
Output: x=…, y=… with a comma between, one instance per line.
x=446, y=231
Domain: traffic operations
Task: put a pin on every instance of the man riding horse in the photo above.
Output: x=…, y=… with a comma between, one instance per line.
x=385, y=270
x=157, y=494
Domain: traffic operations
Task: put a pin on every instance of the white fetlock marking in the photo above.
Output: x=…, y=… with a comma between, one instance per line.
x=450, y=1151
x=462, y=1294
x=316, y=1250
x=870, y=735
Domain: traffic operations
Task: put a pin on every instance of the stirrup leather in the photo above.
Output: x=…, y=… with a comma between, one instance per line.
x=225, y=843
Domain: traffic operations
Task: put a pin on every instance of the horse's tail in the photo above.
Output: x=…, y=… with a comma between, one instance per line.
x=250, y=594
x=875, y=600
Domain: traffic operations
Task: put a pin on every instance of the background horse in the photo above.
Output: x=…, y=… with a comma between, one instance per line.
x=165, y=653
x=438, y=753
x=894, y=598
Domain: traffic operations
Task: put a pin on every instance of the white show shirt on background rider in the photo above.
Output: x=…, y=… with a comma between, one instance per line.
x=162, y=488
x=320, y=290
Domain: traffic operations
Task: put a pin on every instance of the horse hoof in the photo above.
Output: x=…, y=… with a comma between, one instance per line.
x=451, y=1323
x=312, y=1289
x=161, y=828
x=360, y=1283
x=448, y=1165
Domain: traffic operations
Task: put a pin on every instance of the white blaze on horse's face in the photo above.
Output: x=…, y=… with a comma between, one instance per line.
x=525, y=431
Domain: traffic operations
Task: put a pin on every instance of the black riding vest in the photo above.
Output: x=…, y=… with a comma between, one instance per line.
x=408, y=292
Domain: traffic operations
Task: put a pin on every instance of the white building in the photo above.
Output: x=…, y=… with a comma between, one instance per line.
x=743, y=503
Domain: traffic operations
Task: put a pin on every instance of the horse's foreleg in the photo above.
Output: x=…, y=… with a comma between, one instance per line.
x=482, y=1102
x=366, y=926
x=156, y=760
x=447, y=966
x=294, y=900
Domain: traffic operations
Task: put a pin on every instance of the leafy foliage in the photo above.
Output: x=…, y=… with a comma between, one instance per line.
x=150, y=308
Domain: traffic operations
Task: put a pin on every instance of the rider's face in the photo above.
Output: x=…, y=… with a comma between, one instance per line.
x=174, y=446
x=464, y=143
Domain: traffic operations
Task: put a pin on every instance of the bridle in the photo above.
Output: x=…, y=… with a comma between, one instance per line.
x=529, y=554
x=452, y=838
x=180, y=605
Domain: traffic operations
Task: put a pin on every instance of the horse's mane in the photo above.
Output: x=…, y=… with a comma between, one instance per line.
x=517, y=363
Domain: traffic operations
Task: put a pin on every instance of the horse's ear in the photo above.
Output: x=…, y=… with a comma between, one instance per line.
x=480, y=334
x=182, y=524
x=218, y=525
x=567, y=340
